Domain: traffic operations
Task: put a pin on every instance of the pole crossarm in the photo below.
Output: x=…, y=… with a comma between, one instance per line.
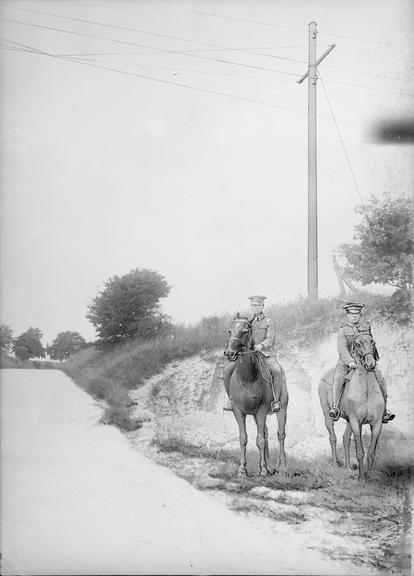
x=318, y=61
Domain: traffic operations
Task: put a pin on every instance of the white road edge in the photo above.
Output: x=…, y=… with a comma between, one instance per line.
x=76, y=498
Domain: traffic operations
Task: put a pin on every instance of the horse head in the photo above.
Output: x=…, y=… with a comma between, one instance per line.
x=240, y=336
x=364, y=350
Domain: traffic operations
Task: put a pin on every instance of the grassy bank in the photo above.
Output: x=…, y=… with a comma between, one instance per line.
x=109, y=375
x=7, y=361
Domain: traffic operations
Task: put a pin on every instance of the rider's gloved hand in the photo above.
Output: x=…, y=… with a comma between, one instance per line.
x=259, y=347
x=352, y=365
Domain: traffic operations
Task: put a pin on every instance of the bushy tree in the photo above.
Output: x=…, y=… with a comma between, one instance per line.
x=65, y=344
x=129, y=306
x=382, y=250
x=6, y=338
x=28, y=345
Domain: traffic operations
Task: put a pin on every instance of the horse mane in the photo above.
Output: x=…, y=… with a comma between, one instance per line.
x=248, y=367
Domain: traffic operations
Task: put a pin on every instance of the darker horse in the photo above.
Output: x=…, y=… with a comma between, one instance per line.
x=251, y=393
x=361, y=403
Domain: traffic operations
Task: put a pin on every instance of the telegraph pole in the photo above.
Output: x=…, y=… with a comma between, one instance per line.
x=312, y=76
x=312, y=165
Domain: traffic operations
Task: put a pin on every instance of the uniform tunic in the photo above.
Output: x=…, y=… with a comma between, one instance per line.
x=345, y=337
x=264, y=332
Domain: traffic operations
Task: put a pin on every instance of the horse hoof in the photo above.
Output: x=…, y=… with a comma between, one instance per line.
x=264, y=472
x=242, y=473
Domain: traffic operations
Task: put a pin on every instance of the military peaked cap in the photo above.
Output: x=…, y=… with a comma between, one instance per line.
x=353, y=307
x=256, y=299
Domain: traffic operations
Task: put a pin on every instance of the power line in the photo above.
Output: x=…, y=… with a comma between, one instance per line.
x=32, y=50
x=290, y=27
x=186, y=51
x=160, y=80
x=166, y=50
x=251, y=21
x=349, y=162
x=363, y=72
x=373, y=88
x=217, y=47
x=124, y=28
x=175, y=69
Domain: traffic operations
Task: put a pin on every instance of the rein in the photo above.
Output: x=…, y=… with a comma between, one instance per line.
x=244, y=344
x=246, y=349
x=361, y=357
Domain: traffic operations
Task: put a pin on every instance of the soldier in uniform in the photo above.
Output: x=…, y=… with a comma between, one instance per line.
x=263, y=333
x=346, y=362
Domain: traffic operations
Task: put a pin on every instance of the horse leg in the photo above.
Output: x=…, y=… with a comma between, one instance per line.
x=260, y=418
x=329, y=423
x=356, y=427
x=347, y=440
x=281, y=434
x=376, y=428
x=241, y=421
x=266, y=435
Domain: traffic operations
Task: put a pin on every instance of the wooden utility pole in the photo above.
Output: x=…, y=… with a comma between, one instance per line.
x=312, y=76
x=312, y=165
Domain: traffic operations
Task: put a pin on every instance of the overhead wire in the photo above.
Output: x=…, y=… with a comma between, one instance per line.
x=348, y=161
x=158, y=49
x=32, y=49
x=373, y=88
x=157, y=34
x=229, y=49
x=291, y=27
x=219, y=47
x=177, y=69
x=160, y=80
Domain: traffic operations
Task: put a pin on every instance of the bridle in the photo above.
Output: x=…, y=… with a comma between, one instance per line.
x=243, y=343
x=248, y=332
x=361, y=356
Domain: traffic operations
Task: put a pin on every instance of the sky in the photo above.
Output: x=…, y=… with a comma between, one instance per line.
x=173, y=136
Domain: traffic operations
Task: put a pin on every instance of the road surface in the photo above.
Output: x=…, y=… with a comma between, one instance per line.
x=78, y=499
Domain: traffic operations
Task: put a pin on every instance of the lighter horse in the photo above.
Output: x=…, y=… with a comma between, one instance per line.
x=251, y=393
x=361, y=403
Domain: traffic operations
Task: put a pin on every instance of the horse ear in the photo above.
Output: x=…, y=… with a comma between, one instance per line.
x=237, y=315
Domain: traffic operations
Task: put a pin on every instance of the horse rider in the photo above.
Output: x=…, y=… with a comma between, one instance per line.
x=263, y=335
x=346, y=362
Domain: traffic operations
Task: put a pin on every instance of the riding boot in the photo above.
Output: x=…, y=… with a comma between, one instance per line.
x=228, y=371
x=388, y=416
x=339, y=377
x=276, y=375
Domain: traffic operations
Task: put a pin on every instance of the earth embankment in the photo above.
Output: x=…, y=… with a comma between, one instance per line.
x=186, y=429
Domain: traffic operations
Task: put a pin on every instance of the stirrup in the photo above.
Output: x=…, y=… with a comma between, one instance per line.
x=334, y=413
x=387, y=417
x=275, y=406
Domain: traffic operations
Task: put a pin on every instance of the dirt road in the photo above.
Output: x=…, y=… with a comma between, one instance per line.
x=77, y=498
x=322, y=508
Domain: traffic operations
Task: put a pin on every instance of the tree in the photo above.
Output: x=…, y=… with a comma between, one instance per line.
x=28, y=344
x=6, y=338
x=65, y=344
x=382, y=250
x=129, y=306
